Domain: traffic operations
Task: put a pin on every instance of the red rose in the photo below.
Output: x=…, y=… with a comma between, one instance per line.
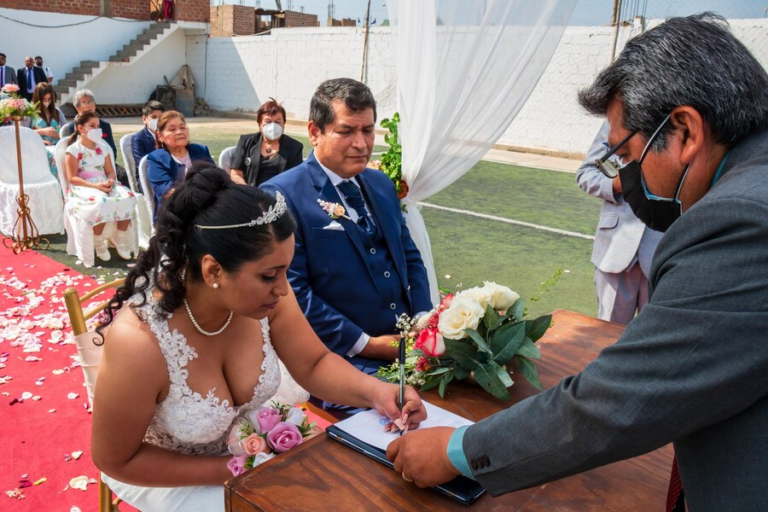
x=431, y=342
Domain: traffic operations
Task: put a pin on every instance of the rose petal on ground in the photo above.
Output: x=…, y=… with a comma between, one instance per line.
x=72, y=396
x=37, y=398
x=41, y=481
x=51, y=410
x=76, y=455
x=79, y=482
x=26, y=395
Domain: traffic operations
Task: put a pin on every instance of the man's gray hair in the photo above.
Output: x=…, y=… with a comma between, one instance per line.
x=694, y=61
x=83, y=93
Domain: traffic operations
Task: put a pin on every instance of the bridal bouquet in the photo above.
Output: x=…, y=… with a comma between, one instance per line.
x=262, y=433
x=12, y=106
x=480, y=332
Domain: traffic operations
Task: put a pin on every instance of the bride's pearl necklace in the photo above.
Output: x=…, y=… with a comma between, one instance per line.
x=200, y=329
x=194, y=321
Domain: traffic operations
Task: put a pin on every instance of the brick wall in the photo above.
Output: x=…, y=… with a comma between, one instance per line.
x=131, y=9
x=86, y=7
x=300, y=19
x=192, y=10
x=232, y=20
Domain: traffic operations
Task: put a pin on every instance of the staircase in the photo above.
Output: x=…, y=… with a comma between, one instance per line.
x=80, y=76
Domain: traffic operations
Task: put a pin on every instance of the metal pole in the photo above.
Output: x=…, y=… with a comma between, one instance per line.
x=22, y=196
x=615, y=23
x=365, y=42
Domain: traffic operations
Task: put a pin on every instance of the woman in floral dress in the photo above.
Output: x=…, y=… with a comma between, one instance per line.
x=93, y=189
x=50, y=120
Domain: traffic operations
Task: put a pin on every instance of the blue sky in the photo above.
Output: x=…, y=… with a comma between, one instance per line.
x=587, y=12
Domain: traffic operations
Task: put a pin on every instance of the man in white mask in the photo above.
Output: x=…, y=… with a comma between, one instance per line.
x=144, y=141
x=263, y=155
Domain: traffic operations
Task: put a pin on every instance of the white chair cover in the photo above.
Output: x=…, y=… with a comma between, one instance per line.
x=225, y=158
x=143, y=221
x=149, y=194
x=45, y=197
x=90, y=359
x=128, y=163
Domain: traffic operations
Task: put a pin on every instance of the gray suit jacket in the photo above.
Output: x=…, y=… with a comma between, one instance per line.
x=10, y=75
x=691, y=368
x=620, y=235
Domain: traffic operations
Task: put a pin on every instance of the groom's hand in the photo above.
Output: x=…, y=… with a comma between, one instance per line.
x=422, y=456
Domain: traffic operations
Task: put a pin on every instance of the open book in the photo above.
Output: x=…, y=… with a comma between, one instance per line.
x=364, y=432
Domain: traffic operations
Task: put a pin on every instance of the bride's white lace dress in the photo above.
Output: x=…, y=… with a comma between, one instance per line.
x=190, y=423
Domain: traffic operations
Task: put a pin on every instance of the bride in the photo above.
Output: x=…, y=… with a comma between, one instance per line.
x=208, y=313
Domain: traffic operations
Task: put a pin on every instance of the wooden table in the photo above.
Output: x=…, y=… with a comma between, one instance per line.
x=325, y=475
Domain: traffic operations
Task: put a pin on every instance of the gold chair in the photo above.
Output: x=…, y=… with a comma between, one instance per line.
x=90, y=356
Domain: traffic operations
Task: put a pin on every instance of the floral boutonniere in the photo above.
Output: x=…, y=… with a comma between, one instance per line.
x=334, y=210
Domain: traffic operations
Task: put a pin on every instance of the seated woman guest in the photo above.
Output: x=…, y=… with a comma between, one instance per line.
x=50, y=120
x=168, y=164
x=195, y=338
x=93, y=187
x=264, y=155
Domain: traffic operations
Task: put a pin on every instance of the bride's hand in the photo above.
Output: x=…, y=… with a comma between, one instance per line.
x=385, y=401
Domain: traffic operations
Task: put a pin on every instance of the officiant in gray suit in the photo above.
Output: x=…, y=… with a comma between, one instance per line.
x=624, y=245
x=690, y=104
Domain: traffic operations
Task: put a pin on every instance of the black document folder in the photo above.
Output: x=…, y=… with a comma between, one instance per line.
x=462, y=489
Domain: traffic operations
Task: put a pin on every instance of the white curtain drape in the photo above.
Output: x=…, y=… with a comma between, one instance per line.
x=464, y=69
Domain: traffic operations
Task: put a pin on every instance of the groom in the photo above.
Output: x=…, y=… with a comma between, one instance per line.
x=355, y=273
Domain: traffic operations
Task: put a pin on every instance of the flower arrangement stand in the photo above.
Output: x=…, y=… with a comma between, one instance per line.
x=25, y=235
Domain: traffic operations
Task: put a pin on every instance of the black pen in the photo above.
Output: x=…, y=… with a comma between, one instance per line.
x=402, y=379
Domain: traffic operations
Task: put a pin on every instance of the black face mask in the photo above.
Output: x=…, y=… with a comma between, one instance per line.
x=658, y=213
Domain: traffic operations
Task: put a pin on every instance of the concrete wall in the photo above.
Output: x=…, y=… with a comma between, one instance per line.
x=241, y=73
x=63, y=48
x=134, y=83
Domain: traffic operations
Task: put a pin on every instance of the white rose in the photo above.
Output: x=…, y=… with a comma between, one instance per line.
x=261, y=458
x=502, y=297
x=463, y=313
x=481, y=295
x=295, y=416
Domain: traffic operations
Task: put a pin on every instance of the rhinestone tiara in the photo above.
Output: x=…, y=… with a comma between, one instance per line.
x=273, y=213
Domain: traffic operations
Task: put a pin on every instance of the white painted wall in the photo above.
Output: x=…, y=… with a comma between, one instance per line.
x=241, y=73
x=133, y=83
x=63, y=48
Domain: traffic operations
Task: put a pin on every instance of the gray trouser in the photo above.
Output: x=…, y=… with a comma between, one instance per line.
x=620, y=296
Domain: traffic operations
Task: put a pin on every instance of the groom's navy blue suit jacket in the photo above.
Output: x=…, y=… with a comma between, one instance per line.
x=331, y=273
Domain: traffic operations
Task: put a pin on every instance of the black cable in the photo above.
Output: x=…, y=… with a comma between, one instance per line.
x=69, y=24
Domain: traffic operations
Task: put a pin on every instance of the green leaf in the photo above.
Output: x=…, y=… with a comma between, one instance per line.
x=465, y=354
x=441, y=389
x=460, y=372
x=491, y=318
x=529, y=371
x=517, y=309
x=440, y=371
x=507, y=343
x=528, y=349
x=504, y=376
x=487, y=377
x=477, y=338
x=430, y=384
x=535, y=329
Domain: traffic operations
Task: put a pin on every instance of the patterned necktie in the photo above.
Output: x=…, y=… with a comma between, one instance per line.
x=354, y=198
x=675, y=500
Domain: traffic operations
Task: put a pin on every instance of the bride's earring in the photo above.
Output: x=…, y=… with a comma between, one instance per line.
x=215, y=286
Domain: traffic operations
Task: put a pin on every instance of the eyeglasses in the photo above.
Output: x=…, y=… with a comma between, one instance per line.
x=608, y=167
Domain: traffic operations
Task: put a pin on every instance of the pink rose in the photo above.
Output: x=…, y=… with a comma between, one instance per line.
x=422, y=365
x=11, y=88
x=446, y=301
x=254, y=444
x=237, y=465
x=431, y=342
x=284, y=436
x=267, y=418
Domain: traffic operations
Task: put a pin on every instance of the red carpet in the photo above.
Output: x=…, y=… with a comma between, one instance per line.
x=40, y=435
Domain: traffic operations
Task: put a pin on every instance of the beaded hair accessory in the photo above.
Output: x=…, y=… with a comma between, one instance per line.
x=273, y=213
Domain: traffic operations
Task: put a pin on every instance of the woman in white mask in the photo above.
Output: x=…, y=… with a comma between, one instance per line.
x=95, y=196
x=50, y=119
x=264, y=155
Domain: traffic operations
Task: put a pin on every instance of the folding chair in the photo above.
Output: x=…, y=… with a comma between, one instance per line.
x=225, y=158
x=90, y=358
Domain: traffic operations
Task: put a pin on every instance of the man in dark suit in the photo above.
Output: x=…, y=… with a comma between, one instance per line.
x=353, y=273
x=689, y=103
x=7, y=73
x=28, y=77
x=144, y=141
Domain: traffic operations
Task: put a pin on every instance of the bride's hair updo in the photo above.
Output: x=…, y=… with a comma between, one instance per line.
x=207, y=198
